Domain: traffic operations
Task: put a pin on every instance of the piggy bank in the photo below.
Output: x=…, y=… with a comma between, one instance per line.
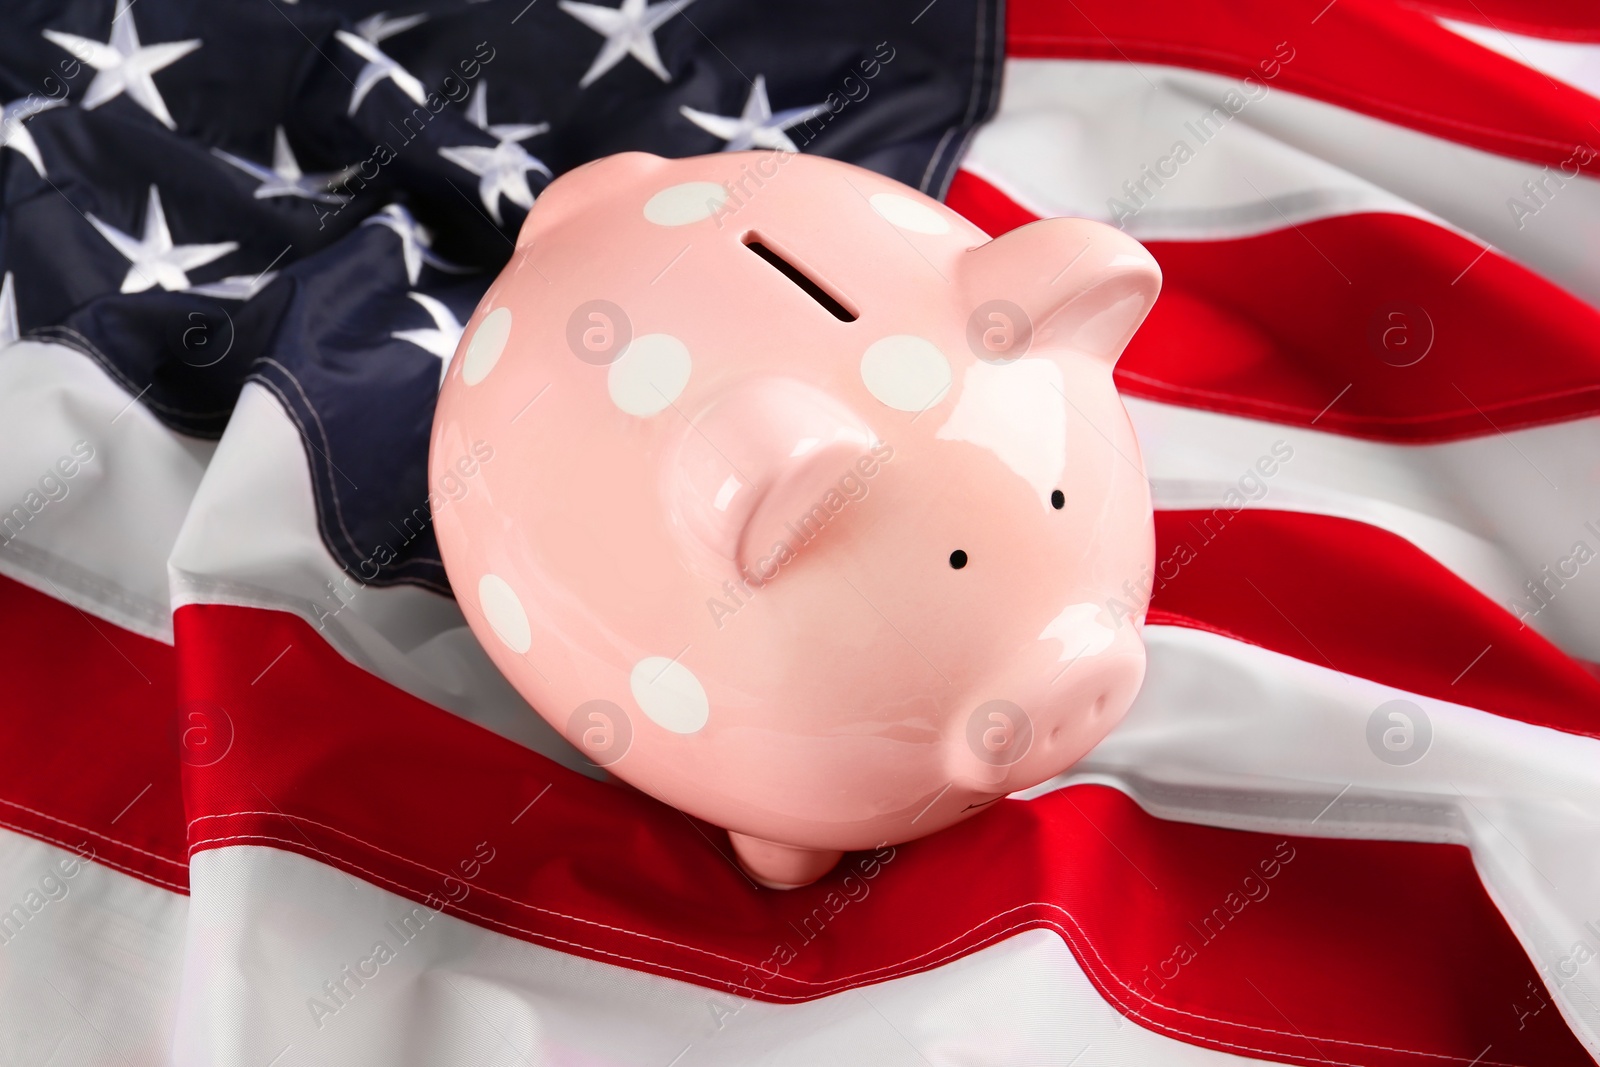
x=795, y=501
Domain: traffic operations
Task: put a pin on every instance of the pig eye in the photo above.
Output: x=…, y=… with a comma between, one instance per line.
x=1058, y=500
x=958, y=559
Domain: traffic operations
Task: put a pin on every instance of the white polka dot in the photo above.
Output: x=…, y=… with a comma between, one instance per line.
x=488, y=341
x=649, y=375
x=907, y=373
x=670, y=694
x=908, y=214
x=499, y=604
x=679, y=205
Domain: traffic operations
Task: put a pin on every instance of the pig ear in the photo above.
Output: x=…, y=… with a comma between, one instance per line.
x=598, y=178
x=1082, y=286
x=759, y=459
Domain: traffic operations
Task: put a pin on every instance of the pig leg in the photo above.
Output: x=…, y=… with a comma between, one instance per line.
x=782, y=866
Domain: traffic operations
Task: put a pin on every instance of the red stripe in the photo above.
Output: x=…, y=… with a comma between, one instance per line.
x=1371, y=56
x=1366, y=602
x=330, y=762
x=1310, y=325
x=88, y=753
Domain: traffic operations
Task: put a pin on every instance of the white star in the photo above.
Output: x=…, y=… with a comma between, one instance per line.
x=414, y=242
x=504, y=168
x=123, y=65
x=155, y=259
x=442, y=339
x=380, y=27
x=235, y=286
x=284, y=178
x=758, y=127
x=364, y=43
x=15, y=136
x=478, y=115
x=9, y=330
x=628, y=31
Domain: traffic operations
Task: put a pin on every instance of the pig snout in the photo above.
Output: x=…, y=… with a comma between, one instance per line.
x=1003, y=746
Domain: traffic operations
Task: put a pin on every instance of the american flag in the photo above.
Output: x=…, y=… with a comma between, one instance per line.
x=264, y=801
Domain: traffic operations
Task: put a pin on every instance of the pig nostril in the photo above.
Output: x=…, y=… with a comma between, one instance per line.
x=958, y=559
x=1058, y=499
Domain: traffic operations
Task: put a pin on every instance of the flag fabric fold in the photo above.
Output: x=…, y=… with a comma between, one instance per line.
x=264, y=800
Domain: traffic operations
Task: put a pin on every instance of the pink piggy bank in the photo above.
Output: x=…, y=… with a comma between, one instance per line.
x=812, y=511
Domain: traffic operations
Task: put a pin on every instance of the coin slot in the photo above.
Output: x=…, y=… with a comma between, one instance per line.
x=832, y=304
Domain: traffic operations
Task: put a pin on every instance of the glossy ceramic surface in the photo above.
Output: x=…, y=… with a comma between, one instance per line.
x=832, y=541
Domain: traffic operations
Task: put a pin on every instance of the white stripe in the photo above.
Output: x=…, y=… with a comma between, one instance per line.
x=90, y=960
x=103, y=544
x=1496, y=509
x=459, y=994
x=251, y=538
x=1069, y=133
x=249, y=535
x=1229, y=734
x=1575, y=62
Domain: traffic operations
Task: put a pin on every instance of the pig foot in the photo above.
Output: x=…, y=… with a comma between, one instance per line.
x=782, y=866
